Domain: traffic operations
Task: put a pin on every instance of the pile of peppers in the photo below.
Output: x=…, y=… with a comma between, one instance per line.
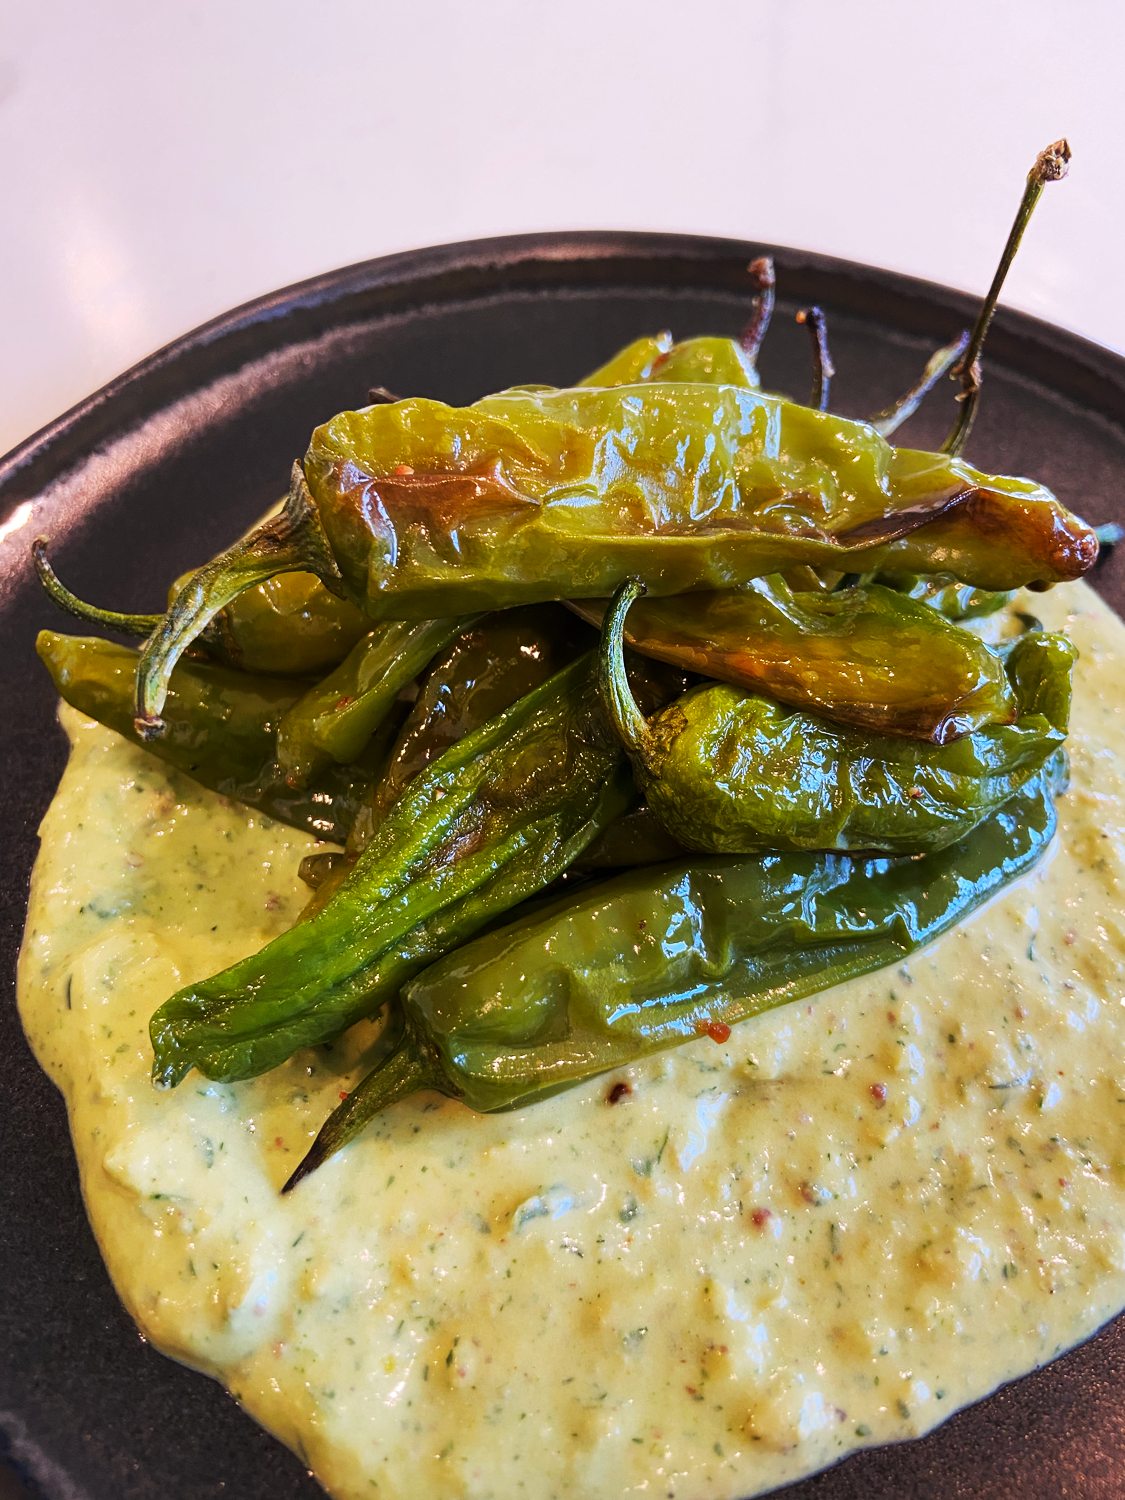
x=630, y=710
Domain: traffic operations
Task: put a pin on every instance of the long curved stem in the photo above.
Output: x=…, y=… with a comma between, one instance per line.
x=762, y=274
x=823, y=368
x=1050, y=166
x=62, y=598
x=410, y=1067
x=891, y=418
x=291, y=542
x=613, y=682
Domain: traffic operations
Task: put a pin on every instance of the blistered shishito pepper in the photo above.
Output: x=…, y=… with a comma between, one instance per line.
x=657, y=957
x=482, y=828
x=729, y=772
x=222, y=727
x=866, y=656
x=336, y=717
x=420, y=510
x=483, y=671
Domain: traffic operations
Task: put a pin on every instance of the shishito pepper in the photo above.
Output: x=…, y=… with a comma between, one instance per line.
x=222, y=728
x=334, y=720
x=484, y=827
x=867, y=656
x=730, y=772
x=484, y=670
x=419, y=510
x=657, y=957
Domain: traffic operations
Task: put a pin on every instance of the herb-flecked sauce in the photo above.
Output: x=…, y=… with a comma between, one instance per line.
x=855, y=1216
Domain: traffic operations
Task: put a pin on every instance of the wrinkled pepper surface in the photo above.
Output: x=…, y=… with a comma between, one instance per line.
x=867, y=656
x=418, y=510
x=729, y=772
x=485, y=826
x=334, y=720
x=222, y=729
x=657, y=957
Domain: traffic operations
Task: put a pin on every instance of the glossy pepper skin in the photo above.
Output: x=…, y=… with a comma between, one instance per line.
x=335, y=719
x=222, y=726
x=692, y=486
x=481, y=672
x=485, y=826
x=419, y=510
x=870, y=656
x=730, y=772
x=656, y=957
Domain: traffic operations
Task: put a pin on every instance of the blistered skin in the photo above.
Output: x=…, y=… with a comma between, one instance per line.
x=536, y=494
x=859, y=1213
x=866, y=656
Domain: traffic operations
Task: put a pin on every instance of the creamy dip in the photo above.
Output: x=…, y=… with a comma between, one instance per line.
x=855, y=1216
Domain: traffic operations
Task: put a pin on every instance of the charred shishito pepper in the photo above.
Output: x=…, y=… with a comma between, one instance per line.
x=420, y=510
x=870, y=656
x=489, y=823
x=730, y=772
x=222, y=730
x=658, y=957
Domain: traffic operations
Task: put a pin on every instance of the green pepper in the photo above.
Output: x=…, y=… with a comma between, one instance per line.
x=657, y=957
x=222, y=727
x=483, y=671
x=729, y=772
x=334, y=720
x=485, y=826
x=953, y=600
x=637, y=837
x=866, y=656
x=290, y=625
x=423, y=509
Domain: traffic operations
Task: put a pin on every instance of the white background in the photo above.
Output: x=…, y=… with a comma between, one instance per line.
x=161, y=162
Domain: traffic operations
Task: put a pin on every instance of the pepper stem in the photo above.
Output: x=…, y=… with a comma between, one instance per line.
x=823, y=368
x=291, y=542
x=762, y=274
x=891, y=418
x=70, y=604
x=410, y=1067
x=1050, y=166
x=613, y=681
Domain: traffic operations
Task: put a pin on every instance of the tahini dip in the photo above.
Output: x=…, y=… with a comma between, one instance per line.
x=859, y=1214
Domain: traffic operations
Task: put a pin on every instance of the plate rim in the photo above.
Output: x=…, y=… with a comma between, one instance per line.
x=1069, y=364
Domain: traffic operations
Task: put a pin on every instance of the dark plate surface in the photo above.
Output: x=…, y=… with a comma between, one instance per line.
x=156, y=472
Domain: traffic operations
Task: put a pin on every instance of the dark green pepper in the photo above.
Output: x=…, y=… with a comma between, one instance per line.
x=482, y=828
x=731, y=772
x=866, y=656
x=222, y=728
x=483, y=671
x=336, y=718
x=657, y=957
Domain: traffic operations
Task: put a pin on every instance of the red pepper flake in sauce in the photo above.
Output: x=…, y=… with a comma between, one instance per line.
x=718, y=1031
x=760, y=1217
x=344, y=701
x=343, y=1094
x=619, y=1091
x=878, y=1092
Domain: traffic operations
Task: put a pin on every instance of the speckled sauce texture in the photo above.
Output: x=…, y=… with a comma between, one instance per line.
x=855, y=1216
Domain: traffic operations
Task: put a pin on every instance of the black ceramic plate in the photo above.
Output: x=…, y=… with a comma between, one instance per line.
x=167, y=464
